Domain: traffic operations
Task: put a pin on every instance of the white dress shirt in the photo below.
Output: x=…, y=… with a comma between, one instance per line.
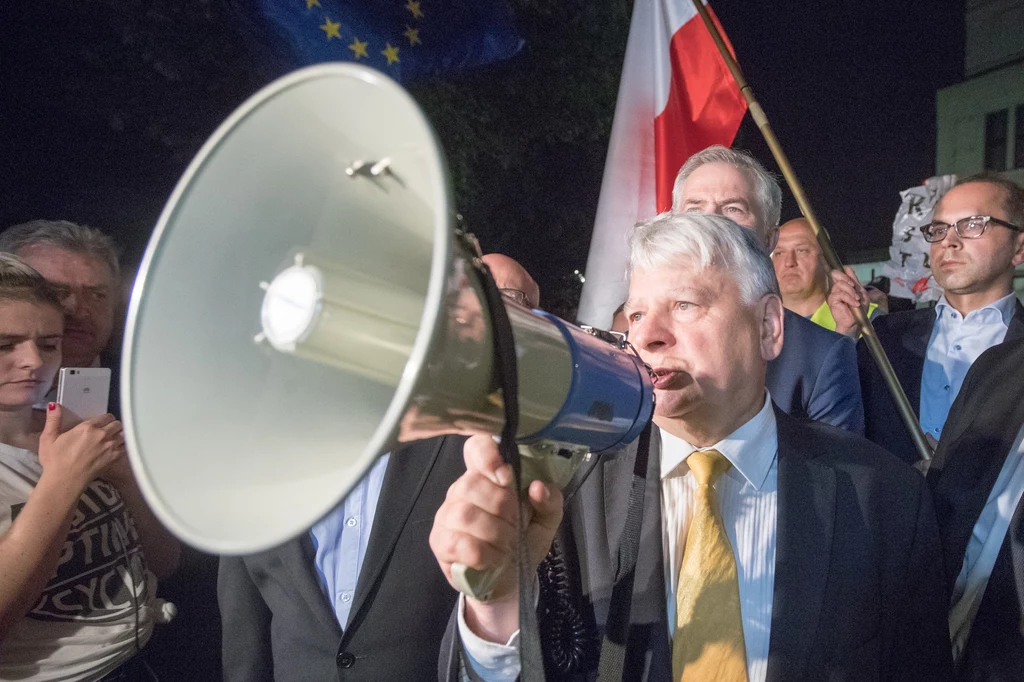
x=983, y=548
x=747, y=497
x=955, y=343
x=748, y=502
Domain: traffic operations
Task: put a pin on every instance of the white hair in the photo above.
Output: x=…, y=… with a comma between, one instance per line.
x=766, y=187
x=710, y=241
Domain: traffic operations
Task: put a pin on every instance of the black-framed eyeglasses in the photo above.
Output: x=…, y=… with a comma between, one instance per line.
x=971, y=227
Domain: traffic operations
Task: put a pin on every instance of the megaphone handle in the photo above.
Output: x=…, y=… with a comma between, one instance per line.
x=480, y=584
x=539, y=463
x=474, y=583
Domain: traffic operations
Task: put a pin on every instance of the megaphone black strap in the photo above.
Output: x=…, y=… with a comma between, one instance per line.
x=616, y=632
x=530, y=653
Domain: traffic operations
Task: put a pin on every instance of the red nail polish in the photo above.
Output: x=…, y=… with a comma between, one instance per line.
x=51, y=407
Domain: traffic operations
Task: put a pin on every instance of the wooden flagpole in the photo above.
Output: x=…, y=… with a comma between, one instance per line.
x=828, y=251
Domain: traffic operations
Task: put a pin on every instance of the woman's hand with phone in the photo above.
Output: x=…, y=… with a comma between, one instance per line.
x=83, y=452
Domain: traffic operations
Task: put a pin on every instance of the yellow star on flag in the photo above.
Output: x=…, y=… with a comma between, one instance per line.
x=413, y=34
x=331, y=28
x=390, y=53
x=358, y=48
x=414, y=7
x=310, y=4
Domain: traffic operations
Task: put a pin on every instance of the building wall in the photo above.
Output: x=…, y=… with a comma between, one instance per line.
x=962, y=109
x=995, y=34
x=994, y=68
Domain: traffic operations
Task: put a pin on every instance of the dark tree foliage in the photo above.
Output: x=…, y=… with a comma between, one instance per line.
x=526, y=140
x=111, y=98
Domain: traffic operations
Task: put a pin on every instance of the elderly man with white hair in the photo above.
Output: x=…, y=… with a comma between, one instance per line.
x=769, y=548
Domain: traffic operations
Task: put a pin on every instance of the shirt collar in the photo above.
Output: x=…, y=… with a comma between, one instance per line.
x=1005, y=307
x=751, y=449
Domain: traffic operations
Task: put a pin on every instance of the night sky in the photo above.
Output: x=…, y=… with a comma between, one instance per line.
x=849, y=88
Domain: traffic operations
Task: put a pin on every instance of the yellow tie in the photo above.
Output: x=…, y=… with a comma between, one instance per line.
x=707, y=643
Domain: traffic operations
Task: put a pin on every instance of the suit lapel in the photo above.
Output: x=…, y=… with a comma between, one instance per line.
x=957, y=425
x=649, y=601
x=806, y=517
x=973, y=458
x=1015, y=330
x=407, y=471
x=648, y=619
x=618, y=473
x=297, y=556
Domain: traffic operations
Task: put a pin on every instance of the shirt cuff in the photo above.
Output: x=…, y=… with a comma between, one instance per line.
x=491, y=662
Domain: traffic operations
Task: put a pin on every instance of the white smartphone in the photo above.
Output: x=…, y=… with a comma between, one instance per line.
x=83, y=392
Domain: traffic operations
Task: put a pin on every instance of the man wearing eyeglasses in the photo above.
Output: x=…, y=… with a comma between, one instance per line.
x=977, y=239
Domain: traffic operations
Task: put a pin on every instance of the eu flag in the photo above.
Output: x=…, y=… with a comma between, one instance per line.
x=402, y=38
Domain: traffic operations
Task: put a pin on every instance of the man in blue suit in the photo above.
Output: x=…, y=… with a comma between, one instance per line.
x=815, y=377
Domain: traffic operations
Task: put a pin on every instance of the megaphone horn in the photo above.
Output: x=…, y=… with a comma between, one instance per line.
x=304, y=305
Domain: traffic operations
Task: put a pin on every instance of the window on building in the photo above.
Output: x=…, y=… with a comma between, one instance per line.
x=996, y=124
x=1018, y=147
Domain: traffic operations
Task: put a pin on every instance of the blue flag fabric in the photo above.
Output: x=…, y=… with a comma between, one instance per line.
x=402, y=38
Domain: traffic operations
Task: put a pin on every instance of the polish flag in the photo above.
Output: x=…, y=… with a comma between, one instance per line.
x=676, y=97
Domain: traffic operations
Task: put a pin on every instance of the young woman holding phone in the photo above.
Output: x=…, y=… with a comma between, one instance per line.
x=78, y=546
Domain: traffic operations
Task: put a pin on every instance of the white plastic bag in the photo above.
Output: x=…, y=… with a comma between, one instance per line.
x=908, y=268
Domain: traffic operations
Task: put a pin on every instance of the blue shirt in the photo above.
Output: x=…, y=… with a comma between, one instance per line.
x=955, y=343
x=341, y=538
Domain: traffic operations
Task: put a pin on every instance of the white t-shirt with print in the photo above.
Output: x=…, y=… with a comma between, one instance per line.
x=84, y=623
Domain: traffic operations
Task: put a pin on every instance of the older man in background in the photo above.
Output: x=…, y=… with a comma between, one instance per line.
x=815, y=375
x=803, y=274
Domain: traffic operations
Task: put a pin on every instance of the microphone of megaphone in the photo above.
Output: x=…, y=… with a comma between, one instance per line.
x=304, y=305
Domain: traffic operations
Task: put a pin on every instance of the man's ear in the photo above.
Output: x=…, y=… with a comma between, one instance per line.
x=1018, y=249
x=772, y=326
x=771, y=238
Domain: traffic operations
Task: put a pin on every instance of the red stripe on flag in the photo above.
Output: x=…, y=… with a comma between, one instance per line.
x=704, y=106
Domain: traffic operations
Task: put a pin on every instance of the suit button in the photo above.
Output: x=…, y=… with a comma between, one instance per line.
x=346, y=660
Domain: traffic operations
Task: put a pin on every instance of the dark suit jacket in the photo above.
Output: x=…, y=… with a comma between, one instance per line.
x=859, y=593
x=982, y=427
x=904, y=336
x=815, y=375
x=279, y=626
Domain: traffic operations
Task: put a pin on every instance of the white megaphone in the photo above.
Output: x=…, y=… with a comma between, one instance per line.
x=305, y=304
